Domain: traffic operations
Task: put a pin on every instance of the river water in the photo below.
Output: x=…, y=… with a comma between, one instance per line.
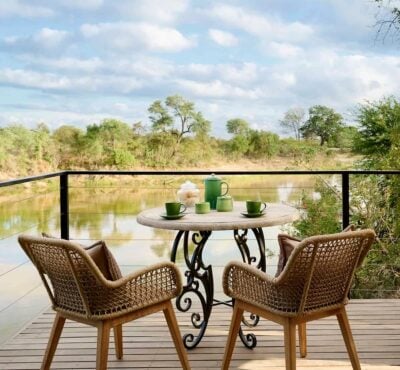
x=106, y=208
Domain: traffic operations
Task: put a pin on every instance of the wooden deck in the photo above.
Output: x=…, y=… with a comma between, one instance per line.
x=147, y=344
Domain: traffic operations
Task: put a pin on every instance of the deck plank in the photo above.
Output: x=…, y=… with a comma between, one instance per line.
x=147, y=344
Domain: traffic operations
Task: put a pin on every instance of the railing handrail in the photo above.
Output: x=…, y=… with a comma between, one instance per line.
x=30, y=178
x=235, y=172
x=64, y=199
x=195, y=172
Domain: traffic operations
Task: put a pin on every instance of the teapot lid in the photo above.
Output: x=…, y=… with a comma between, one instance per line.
x=188, y=185
x=212, y=177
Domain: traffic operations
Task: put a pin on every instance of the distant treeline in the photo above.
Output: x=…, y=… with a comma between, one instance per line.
x=177, y=135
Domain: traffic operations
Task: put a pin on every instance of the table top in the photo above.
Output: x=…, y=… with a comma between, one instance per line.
x=275, y=214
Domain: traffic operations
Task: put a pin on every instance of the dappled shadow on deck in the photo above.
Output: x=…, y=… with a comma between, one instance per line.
x=147, y=344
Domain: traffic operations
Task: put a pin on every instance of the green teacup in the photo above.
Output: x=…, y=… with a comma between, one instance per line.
x=174, y=208
x=255, y=206
x=202, y=207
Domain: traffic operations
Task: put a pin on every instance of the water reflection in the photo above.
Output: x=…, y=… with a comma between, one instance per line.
x=100, y=210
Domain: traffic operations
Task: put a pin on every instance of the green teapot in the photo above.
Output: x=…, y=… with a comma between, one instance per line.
x=213, y=189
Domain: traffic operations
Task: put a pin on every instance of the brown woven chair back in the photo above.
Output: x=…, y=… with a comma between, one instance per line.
x=73, y=281
x=320, y=270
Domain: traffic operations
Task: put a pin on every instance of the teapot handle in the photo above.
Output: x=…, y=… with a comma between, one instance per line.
x=227, y=187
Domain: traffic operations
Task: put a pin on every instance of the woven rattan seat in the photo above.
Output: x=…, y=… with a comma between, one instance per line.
x=314, y=284
x=79, y=291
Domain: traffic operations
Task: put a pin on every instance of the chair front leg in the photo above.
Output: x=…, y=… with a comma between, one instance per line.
x=103, y=340
x=348, y=338
x=176, y=335
x=55, y=334
x=289, y=329
x=303, y=339
x=118, y=341
x=232, y=335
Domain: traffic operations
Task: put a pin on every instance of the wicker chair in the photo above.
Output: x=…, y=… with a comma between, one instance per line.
x=87, y=286
x=314, y=284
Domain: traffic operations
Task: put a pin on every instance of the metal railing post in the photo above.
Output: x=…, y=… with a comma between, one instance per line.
x=64, y=206
x=345, y=200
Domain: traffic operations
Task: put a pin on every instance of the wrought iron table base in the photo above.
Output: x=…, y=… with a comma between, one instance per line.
x=200, y=277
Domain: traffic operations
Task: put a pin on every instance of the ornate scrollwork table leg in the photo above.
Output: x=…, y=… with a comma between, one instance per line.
x=198, y=276
x=250, y=340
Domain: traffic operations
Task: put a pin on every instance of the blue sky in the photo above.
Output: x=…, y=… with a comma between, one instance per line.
x=80, y=61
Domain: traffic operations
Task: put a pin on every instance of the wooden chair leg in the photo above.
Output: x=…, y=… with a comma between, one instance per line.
x=55, y=334
x=303, y=339
x=348, y=338
x=176, y=335
x=103, y=340
x=232, y=335
x=289, y=329
x=118, y=341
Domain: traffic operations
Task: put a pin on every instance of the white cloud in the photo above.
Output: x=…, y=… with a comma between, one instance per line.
x=223, y=38
x=261, y=26
x=127, y=36
x=155, y=11
x=45, y=40
x=80, y=4
x=218, y=89
x=67, y=64
x=61, y=83
x=243, y=73
x=18, y=8
x=283, y=50
x=49, y=38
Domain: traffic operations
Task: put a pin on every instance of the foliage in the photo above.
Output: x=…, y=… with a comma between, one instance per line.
x=237, y=146
x=108, y=144
x=178, y=135
x=188, y=119
x=320, y=212
x=375, y=201
x=237, y=126
x=345, y=138
x=375, y=204
x=323, y=122
x=262, y=144
x=23, y=150
x=379, y=136
x=388, y=19
x=300, y=151
x=293, y=121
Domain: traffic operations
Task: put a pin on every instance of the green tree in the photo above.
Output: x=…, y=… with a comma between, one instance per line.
x=388, y=19
x=263, y=144
x=178, y=117
x=321, y=213
x=239, y=144
x=45, y=149
x=19, y=149
x=109, y=143
x=378, y=138
x=293, y=120
x=161, y=120
x=345, y=138
x=69, y=142
x=323, y=122
x=237, y=126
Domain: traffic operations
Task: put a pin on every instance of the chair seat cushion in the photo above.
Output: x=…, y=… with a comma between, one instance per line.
x=286, y=245
x=101, y=256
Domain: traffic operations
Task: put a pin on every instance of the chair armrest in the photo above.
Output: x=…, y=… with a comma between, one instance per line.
x=246, y=283
x=154, y=284
x=165, y=273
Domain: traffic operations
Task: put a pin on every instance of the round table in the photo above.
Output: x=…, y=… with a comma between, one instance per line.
x=201, y=226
